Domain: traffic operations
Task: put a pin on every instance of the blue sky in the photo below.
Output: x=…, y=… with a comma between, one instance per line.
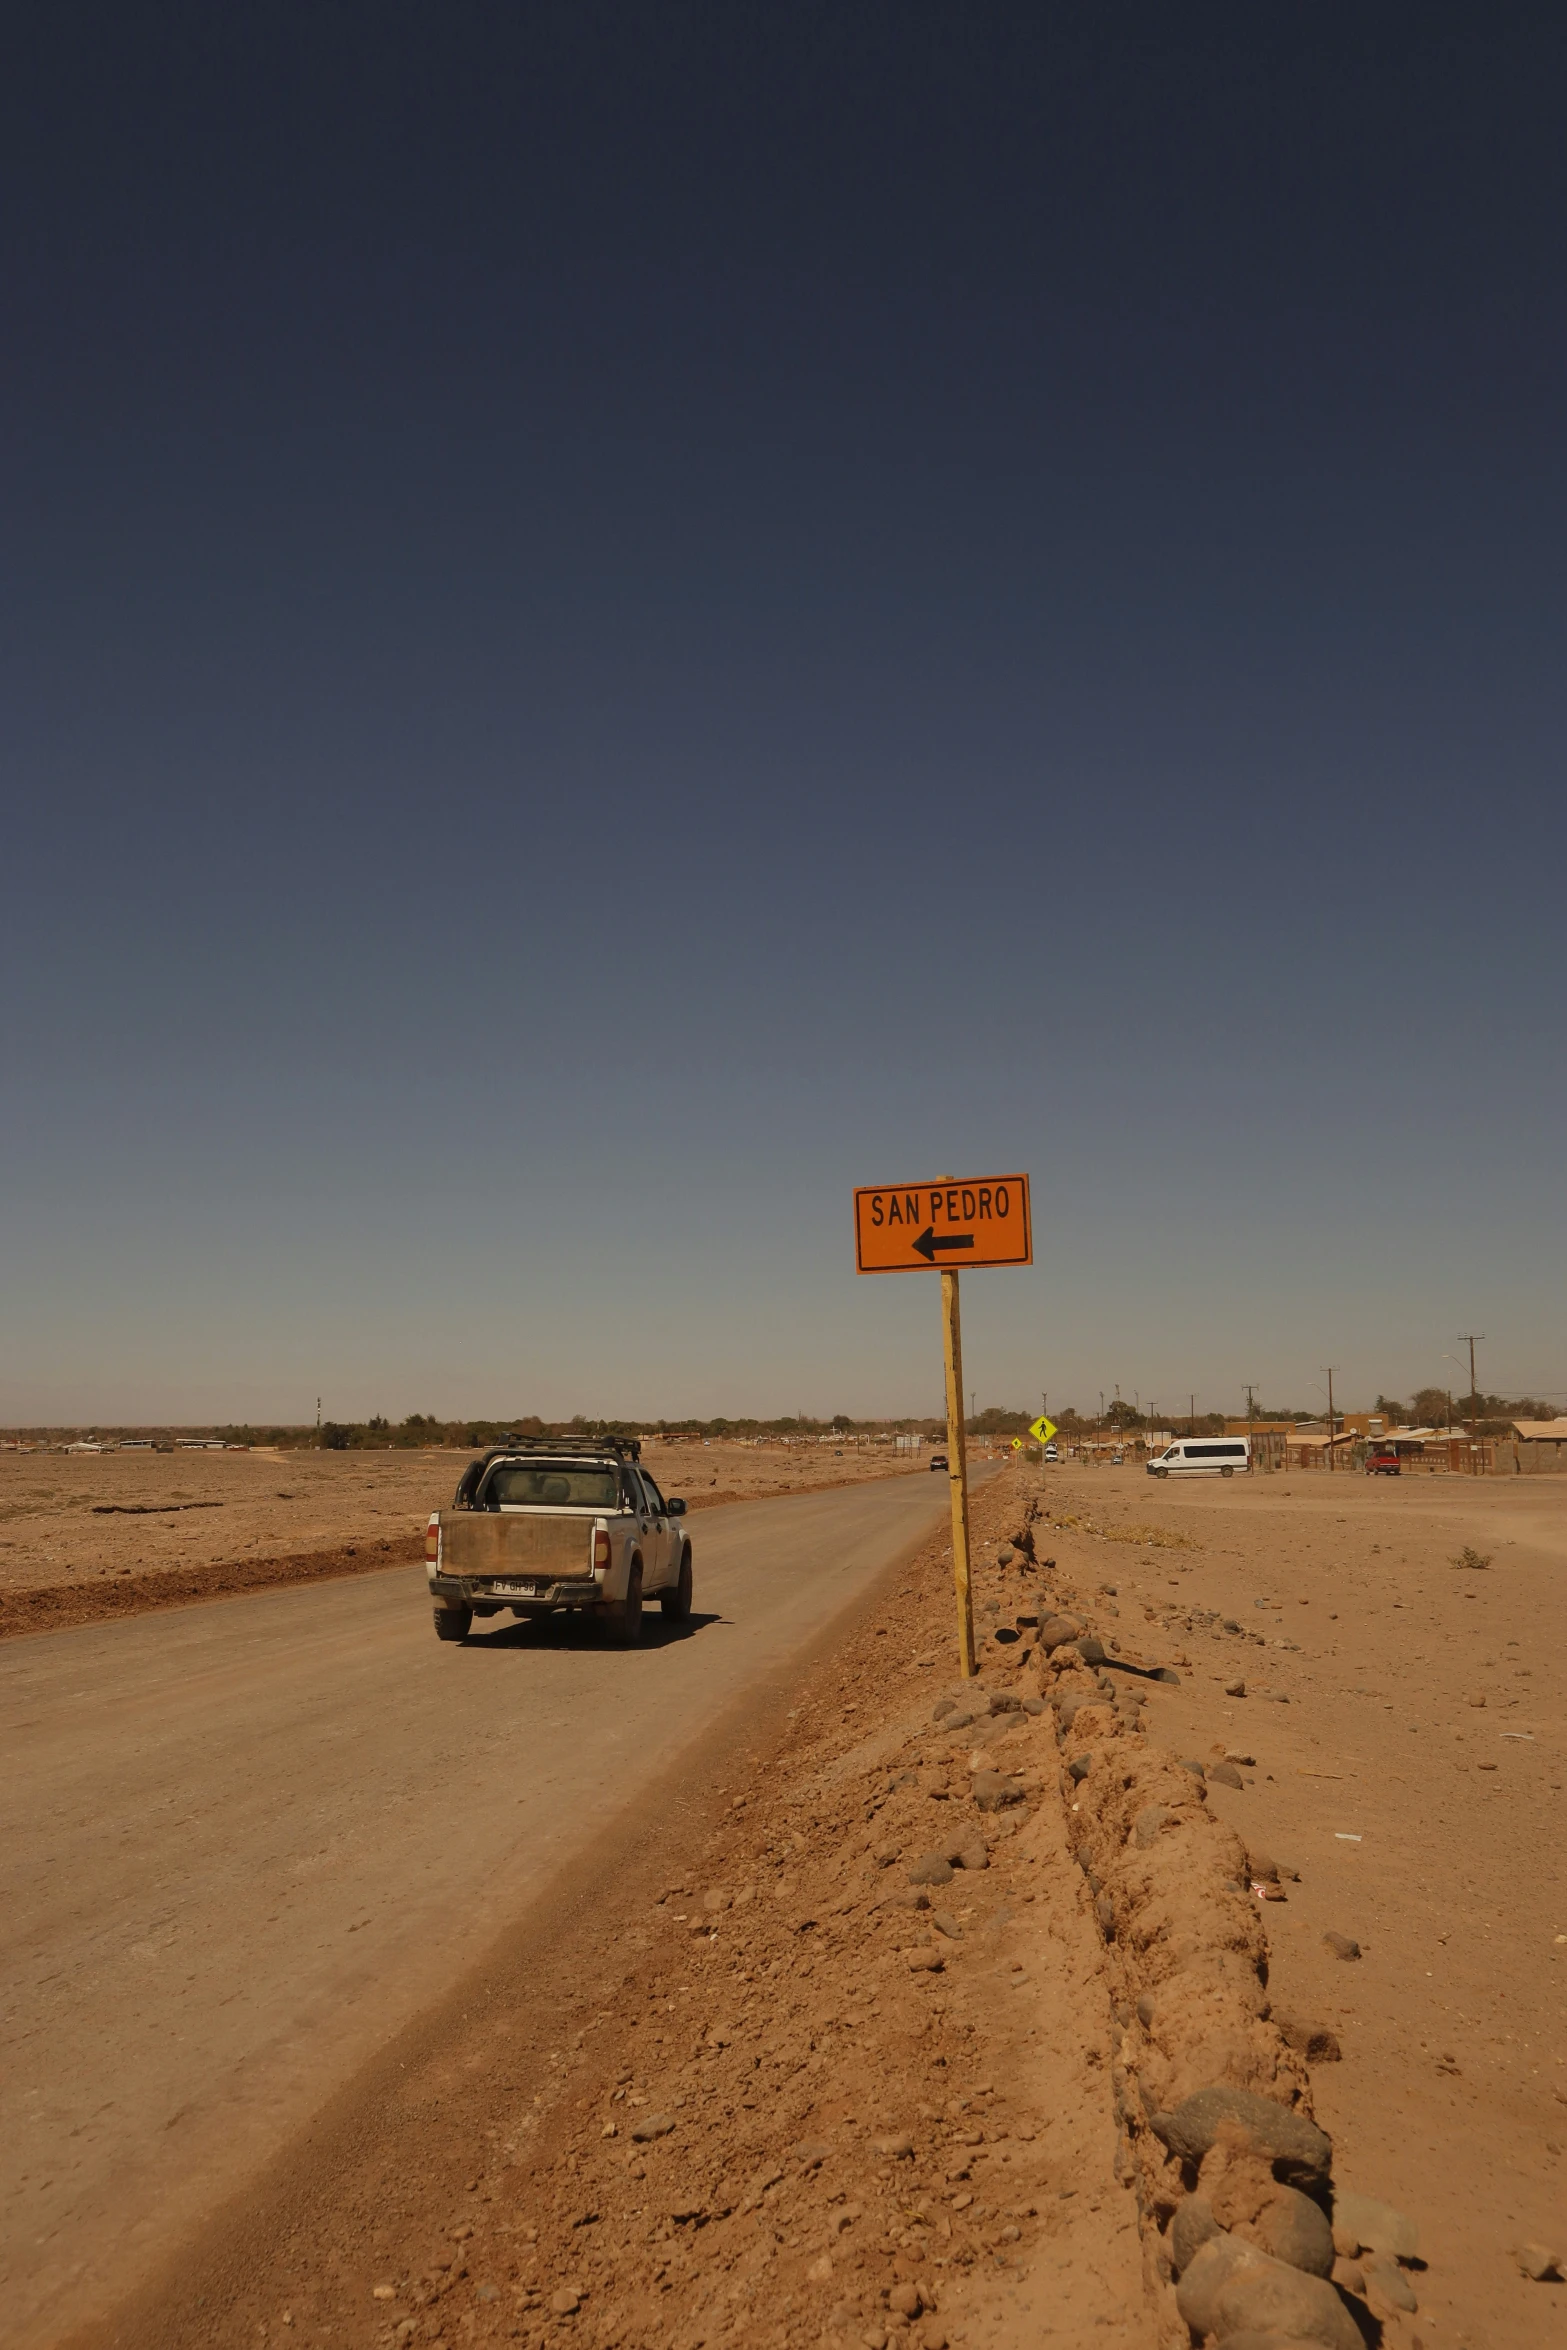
x=612, y=624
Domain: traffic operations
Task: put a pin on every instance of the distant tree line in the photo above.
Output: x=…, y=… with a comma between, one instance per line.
x=1428, y=1407
x=1487, y=1415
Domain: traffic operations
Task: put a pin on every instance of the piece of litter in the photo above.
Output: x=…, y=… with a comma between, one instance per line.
x=1526, y=1734
x=1341, y=1837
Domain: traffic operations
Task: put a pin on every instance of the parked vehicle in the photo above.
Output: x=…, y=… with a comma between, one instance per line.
x=1117, y=1458
x=938, y=1460
x=540, y=1524
x=1383, y=1461
x=1203, y=1456
x=1051, y=1453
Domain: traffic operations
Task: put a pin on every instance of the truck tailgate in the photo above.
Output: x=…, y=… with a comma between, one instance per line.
x=513, y=1549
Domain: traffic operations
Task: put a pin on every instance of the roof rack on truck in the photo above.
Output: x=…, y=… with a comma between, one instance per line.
x=560, y=1448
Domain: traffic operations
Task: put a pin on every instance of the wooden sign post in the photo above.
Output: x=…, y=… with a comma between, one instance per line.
x=913, y=1227
x=957, y=1472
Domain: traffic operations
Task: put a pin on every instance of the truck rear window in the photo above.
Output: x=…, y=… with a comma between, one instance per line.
x=546, y=1486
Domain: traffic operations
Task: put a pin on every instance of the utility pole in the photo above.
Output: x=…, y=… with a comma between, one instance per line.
x=1191, y=1415
x=318, y=1419
x=1327, y=1372
x=972, y=1413
x=1251, y=1414
x=1471, y=1339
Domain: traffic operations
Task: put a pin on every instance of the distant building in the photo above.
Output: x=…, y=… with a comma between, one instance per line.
x=1307, y=1447
x=1537, y=1447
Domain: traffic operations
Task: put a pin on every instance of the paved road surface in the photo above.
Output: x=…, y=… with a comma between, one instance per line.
x=244, y=1842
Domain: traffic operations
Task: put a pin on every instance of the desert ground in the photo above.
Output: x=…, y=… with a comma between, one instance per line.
x=83, y=1535
x=885, y=2014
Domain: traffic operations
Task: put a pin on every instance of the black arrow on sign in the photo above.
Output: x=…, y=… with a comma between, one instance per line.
x=927, y=1243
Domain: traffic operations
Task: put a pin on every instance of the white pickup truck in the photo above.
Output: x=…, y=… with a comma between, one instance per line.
x=543, y=1523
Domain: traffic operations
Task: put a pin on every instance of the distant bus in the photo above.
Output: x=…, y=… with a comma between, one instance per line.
x=1203, y=1456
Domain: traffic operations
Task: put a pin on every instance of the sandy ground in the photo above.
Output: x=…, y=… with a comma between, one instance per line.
x=1425, y=1720
x=84, y=1535
x=725, y=2086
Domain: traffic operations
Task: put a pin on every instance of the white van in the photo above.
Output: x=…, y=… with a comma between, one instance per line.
x=1203, y=1456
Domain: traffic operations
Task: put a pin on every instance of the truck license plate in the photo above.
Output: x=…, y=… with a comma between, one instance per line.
x=517, y=1590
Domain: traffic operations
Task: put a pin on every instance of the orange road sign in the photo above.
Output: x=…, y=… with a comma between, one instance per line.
x=947, y=1226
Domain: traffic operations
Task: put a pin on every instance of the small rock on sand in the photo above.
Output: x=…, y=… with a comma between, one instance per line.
x=1540, y=2264
x=925, y=1961
x=931, y=1869
x=1234, y=1688
x=1232, y=2289
x=1190, y=2229
x=565, y=2301
x=1298, y=2150
x=1341, y=1945
x=651, y=2126
x=1294, y=2228
x=992, y=1792
x=1224, y=1774
x=1361, y=2224
x=1386, y=2281
x=1312, y=2041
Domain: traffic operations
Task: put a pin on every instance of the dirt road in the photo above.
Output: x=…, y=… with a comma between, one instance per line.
x=247, y=1841
x=91, y=1537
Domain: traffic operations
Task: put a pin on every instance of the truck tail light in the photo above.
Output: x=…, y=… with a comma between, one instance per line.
x=600, y=1546
x=432, y=1541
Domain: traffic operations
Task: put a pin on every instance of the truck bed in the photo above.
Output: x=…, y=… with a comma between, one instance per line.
x=524, y=1546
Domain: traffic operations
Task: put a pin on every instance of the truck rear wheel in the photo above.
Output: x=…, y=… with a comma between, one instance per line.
x=453, y=1623
x=676, y=1604
x=624, y=1621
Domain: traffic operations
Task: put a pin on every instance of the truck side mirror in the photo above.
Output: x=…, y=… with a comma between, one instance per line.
x=677, y=1508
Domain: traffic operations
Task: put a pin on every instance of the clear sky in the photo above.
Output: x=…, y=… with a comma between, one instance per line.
x=618, y=618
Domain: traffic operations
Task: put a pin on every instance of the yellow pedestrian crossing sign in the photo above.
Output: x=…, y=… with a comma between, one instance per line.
x=1041, y=1430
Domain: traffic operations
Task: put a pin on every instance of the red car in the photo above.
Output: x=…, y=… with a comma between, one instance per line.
x=1382, y=1461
